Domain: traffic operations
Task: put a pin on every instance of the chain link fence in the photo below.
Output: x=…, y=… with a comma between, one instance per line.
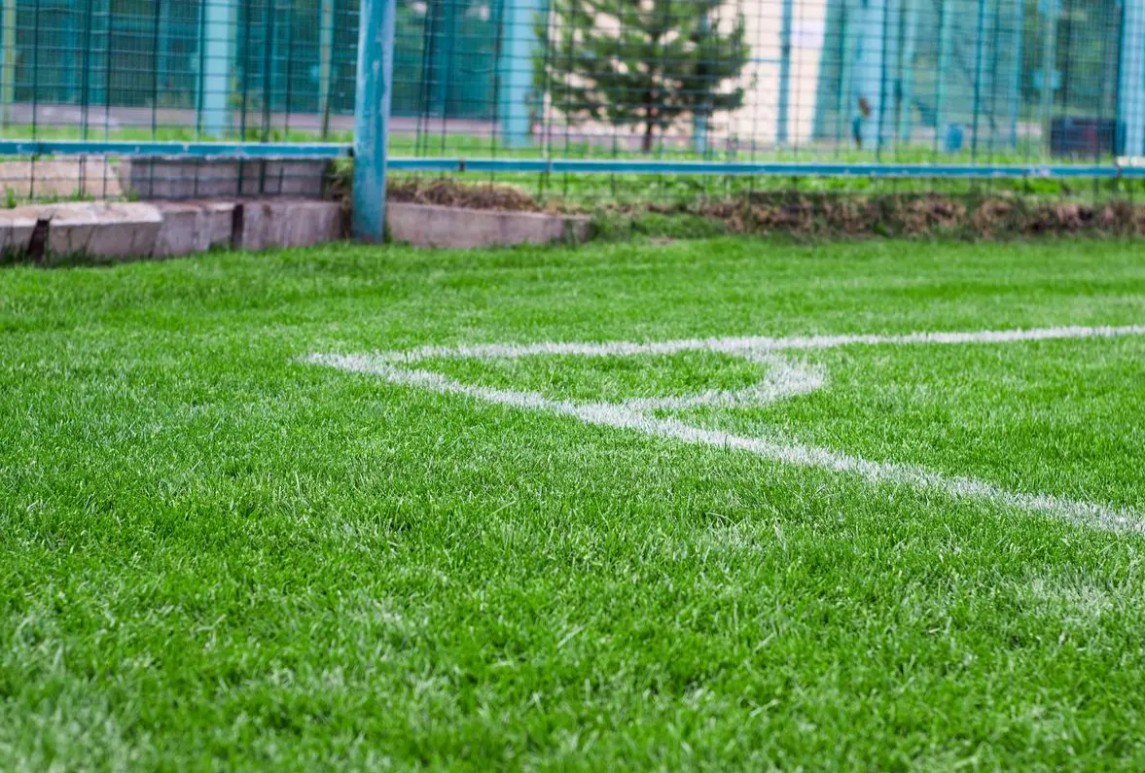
x=591, y=101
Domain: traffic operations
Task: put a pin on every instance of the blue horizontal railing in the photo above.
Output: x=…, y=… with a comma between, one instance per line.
x=777, y=169
x=255, y=150
x=238, y=150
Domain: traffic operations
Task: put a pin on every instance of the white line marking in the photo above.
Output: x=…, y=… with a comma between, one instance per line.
x=783, y=380
x=753, y=343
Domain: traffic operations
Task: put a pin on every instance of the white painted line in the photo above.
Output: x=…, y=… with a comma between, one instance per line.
x=739, y=345
x=782, y=380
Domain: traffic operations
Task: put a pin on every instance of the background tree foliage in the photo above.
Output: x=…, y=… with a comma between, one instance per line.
x=644, y=64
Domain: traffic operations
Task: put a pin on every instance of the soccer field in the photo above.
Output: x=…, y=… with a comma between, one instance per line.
x=724, y=504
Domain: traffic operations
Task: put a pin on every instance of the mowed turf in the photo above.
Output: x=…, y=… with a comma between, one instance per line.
x=216, y=556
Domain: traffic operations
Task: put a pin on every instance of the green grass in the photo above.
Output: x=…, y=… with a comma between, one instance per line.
x=213, y=556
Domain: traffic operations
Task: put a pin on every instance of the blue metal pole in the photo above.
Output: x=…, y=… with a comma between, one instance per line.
x=869, y=71
x=1016, y=74
x=218, y=65
x=848, y=40
x=782, y=134
x=906, y=70
x=979, y=75
x=945, y=25
x=1131, y=86
x=700, y=118
x=443, y=31
x=372, y=117
x=325, y=61
x=1051, y=9
x=8, y=63
x=518, y=42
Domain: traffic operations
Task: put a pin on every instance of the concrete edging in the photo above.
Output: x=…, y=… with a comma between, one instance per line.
x=428, y=225
x=165, y=229
x=170, y=229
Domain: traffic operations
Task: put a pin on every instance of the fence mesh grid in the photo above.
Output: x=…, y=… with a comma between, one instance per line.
x=833, y=82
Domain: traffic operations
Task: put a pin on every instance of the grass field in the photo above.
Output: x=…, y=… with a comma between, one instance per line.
x=216, y=553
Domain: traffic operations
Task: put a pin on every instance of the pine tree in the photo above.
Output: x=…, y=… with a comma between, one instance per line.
x=641, y=63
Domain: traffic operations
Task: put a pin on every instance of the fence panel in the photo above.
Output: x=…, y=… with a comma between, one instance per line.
x=532, y=90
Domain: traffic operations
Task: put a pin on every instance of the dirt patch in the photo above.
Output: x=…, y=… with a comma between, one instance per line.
x=917, y=216
x=449, y=193
x=811, y=216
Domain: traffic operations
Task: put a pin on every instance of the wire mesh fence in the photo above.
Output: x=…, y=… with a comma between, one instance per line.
x=740, y=90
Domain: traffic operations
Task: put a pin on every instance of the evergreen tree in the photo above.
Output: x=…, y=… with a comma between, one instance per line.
x=641, y=63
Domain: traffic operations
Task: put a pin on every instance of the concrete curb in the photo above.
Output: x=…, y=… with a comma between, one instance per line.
x=171, y=229
x=101, y=230
x=15, y=230
x=190, y=227
x=426, y=225
x=266, y=224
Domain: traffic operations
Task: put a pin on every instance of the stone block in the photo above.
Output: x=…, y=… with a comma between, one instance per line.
x=16, y=227
x=100, y=229
x=268, y=224
x=191, y=227
x=423, y=225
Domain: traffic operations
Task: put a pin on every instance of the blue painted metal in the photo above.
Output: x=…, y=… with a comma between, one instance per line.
x=515, y=70
x=325, y=61
x=372, y=117
x=844, y=102
x=252, y=150
x=217, y=63
x=555, y=166
x=223, y=150
x=7, y=60
x=945, y=26
x=869, y=70
x=1015, y=94
x=610, y=166
x=700, y=134
x=979, y=75
x=442, y=41
x=701, y=117
x=782, y=132
x=909, y=35
x=1050, y=10
x=1131, y=85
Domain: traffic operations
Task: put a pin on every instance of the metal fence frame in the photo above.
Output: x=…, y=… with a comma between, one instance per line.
x=515, y=24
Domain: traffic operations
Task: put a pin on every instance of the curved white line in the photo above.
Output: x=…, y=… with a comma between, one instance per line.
x=627, y=417
x=781, y=380
x=743, y=345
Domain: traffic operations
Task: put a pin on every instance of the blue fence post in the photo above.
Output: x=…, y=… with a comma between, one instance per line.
x=1050, y=10
x=518, y=42
x=979, y=75
x=219, y=26
x=906, y=71
x=870, y=72
x=945, y=25
x=325, y=61
x=1131, y=76
x=781, y=131
x=8, y=64
x=1016, y=76
x=372, y=117
x=441, y=43
x=700, y=117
